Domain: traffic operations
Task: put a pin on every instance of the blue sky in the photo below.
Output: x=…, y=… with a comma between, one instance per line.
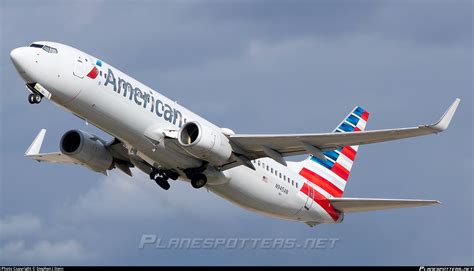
x=255, y=67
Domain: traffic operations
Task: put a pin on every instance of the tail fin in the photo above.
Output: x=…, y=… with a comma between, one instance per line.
x=329, y=176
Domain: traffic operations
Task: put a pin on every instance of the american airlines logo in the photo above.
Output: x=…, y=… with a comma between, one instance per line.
x=145, y=99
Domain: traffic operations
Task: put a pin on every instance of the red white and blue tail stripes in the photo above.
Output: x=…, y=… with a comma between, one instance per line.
x=327, y=179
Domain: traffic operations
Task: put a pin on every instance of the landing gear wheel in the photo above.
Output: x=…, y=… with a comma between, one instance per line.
x=160, y=178
x=37, y=98
x=198, y=180
x=163, y=183
x=172, y=175
x=34, y=98
x=153, y=174
x=31, y=98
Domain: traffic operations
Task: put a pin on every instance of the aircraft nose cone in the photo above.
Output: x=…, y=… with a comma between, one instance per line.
x=18, y=57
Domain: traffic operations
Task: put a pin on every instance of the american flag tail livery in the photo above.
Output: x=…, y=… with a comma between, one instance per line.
x=326, y=176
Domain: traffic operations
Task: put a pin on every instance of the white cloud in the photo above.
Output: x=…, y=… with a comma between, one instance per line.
x=43, y=252
x=15, y=229
x=119, y=197
x=20, y=224
x=115, y=201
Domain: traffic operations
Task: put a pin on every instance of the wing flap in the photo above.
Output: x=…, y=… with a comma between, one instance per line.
x=52, y=157
x=352, y=205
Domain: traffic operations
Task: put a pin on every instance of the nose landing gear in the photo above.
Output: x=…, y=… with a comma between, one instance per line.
x=35, y=98
x=36, y=93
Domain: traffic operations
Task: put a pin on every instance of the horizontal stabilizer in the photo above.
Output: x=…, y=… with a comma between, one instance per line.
x=352, y=205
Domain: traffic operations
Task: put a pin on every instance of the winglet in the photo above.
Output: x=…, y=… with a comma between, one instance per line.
x=443, y=123
x=35, y=147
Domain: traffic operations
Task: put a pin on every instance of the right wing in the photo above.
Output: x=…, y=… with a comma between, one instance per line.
x=352, y=205
x=278, y=146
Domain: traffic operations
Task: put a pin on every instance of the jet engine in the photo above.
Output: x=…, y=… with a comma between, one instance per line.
x=205, y=142
x=87, y=149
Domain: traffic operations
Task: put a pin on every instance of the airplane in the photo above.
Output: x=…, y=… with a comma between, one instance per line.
x=169, y=142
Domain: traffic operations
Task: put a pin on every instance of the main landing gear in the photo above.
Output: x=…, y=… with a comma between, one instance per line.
x=35, y=98
x=198, y=180
x=161, y=177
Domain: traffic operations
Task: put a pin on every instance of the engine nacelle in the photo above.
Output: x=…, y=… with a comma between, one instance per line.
x=87, y=149
x=204, y=142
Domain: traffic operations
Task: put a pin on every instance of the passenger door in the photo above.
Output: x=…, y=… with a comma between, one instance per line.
x=79, y=68
x=310, y=198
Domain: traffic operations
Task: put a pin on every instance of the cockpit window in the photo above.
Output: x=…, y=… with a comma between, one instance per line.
x=48, y=49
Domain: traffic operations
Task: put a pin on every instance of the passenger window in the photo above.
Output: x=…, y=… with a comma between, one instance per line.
x=271, y=170
x=267, y=167
x=284, y=177
x=280, y=175
x=258, y=162
x=276, y=173
x=292, y=182
x=296, y=185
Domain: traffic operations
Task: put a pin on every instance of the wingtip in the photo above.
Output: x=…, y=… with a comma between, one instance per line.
x=35, y=146
x=445, y=120
x=430, y=202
